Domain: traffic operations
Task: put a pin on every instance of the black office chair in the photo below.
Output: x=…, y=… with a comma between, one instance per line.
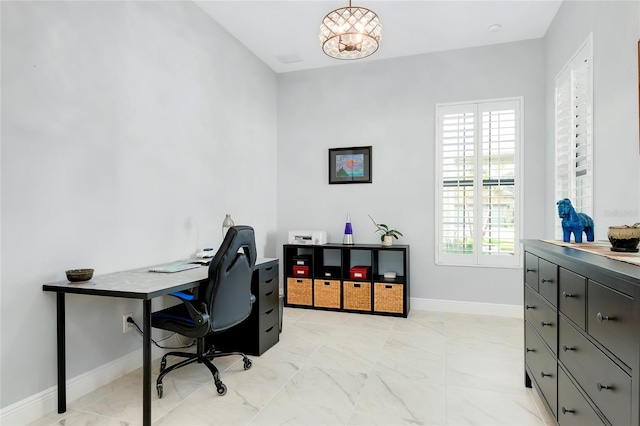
x=224, y=300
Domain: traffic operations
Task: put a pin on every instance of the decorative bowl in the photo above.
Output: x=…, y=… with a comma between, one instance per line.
x=624, y=238
x=77, y=275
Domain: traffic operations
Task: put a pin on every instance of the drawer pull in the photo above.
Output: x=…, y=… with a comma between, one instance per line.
x=547, y=324
x=530, y=350
x=568, y=410
x=530, y=270
x=269, y=329
x=388, y=286
x=568, y=348
x=566, y=295
x=268, y=281
x=269, y=294
x=299, y=281
x=269, y=311
x=530, y=307
x=544, y=280
x=356, y=286
x=600, y=386
x=327, y=283
x=543, y=374
x=601, y=317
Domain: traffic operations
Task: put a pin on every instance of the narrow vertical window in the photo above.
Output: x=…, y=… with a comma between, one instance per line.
x=477, y=154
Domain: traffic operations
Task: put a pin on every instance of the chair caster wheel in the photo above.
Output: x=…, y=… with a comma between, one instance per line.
x=247, y=364
x=163, y=364
x=159, y=389
x=221, y=388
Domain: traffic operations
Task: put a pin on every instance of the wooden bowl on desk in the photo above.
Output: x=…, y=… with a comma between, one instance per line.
x=78, y=275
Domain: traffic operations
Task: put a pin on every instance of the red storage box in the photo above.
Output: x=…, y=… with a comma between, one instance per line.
x=359, y=272
x=300, y=271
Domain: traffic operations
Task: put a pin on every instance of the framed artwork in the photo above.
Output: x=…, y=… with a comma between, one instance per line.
x=350, y=165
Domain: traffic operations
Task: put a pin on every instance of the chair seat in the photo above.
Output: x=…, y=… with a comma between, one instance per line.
x=176, y=318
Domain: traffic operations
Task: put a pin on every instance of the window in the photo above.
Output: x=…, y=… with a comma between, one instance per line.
x=574, y=132
x=477, y=183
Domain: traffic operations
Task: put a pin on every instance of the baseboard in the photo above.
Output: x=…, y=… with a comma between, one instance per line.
x=461, y=307
x=45, y=402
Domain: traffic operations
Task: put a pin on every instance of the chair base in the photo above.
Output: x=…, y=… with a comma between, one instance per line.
x=200, y=357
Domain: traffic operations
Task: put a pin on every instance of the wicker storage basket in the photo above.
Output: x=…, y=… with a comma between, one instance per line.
x=388, y=297
x=326, y=293
x=357, y=295
x=299, y=291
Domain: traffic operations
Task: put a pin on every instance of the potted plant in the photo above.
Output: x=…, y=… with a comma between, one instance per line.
x=386, y=235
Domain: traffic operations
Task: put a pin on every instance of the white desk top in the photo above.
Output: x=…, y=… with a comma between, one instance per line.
x=137, y=283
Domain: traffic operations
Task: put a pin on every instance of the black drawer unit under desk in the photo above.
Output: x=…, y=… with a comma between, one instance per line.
x=260, y=331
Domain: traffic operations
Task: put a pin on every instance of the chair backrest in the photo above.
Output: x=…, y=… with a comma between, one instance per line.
x=227, y=291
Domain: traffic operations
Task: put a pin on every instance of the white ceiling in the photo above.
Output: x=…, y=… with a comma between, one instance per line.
x=272, y=29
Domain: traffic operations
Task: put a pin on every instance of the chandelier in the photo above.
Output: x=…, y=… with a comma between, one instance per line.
x=350, y=33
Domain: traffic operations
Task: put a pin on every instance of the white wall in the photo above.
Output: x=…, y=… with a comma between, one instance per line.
x=129, y=129
x=616, y=29
x=389, y=104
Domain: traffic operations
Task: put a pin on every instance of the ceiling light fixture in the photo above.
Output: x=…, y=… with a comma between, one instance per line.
x=350, y=33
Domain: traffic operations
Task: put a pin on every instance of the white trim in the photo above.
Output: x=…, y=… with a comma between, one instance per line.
x=462, y=307
x=45, y=402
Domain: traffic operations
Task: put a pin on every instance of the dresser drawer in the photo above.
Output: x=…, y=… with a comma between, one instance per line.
x=548, y=281
x=606, y=384
x=267, y=338
x=267, y=272
x=542, y=365
x=269, y=318
x=531, y=270
x=573, y=408
x=268, y=293
x=573, y=291
x=542, y=317
x=610, y=321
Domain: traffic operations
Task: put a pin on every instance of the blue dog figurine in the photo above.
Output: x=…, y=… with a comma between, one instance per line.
x=574, y=222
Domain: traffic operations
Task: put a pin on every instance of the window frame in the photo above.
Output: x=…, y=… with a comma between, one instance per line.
x=477, y=259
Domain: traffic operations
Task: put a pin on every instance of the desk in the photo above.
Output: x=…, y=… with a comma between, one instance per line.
x=133, y=284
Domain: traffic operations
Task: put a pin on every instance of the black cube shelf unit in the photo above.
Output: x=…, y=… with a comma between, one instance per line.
x=320, y=277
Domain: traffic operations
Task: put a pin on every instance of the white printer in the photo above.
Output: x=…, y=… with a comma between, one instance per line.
x=308, y=237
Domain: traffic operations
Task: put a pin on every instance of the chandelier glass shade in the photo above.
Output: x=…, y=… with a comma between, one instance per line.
x=350, y=33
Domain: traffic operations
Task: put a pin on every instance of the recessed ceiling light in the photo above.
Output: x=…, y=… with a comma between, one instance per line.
x=494, y=28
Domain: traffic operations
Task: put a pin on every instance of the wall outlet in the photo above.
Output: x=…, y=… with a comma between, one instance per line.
x=127, y=326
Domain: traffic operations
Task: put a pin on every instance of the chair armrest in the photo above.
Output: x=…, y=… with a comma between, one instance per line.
x=183, y=295
x=197, y=316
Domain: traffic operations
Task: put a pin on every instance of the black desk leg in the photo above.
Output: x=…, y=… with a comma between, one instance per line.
x=146, y=363
x=62, y=362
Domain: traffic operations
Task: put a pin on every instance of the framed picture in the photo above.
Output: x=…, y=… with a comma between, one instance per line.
x=350, y=165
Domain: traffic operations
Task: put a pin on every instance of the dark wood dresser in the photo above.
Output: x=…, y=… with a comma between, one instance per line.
x=261, y=330
x=582, y=334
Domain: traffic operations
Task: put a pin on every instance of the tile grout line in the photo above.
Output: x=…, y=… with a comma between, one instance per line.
x=355, y=404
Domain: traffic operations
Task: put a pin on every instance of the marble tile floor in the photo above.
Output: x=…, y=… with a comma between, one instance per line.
x=336, y=368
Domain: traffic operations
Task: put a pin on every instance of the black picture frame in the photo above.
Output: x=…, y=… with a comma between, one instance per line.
x=350, y=165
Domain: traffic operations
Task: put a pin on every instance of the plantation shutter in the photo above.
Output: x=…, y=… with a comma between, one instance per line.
x=477, y=152
x=574, y=132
